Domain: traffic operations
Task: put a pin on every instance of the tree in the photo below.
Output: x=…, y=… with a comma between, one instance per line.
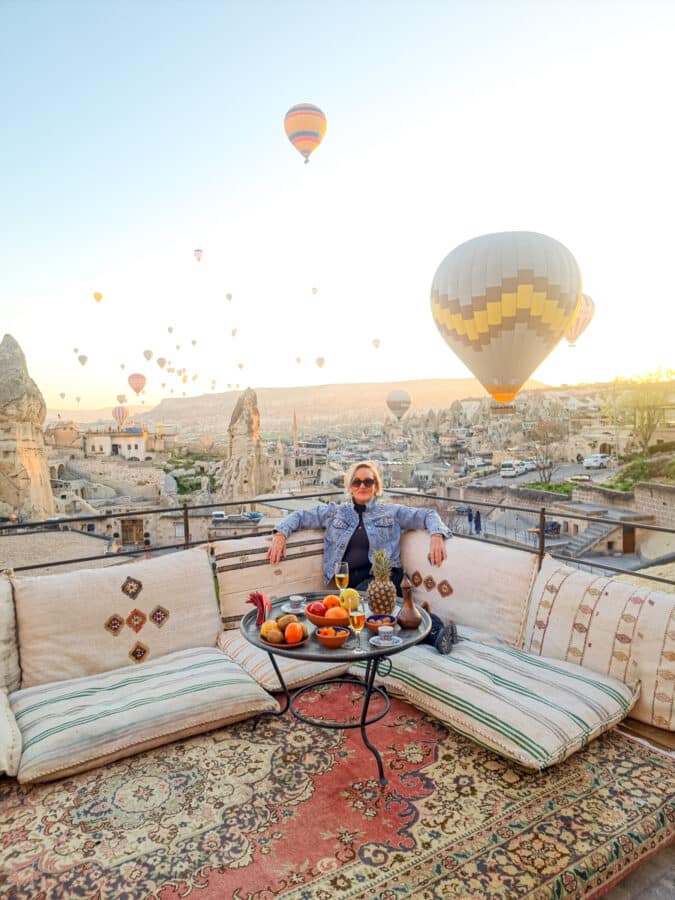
x=546, y=432
x=646, y=400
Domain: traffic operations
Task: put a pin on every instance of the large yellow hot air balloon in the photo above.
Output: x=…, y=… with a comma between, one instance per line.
x=305, y=126
x=399, y=401
x=502, y=302
x=581, y=321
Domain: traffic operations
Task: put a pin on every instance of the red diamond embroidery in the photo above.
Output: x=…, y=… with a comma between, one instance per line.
x=159, y=615
x=138, y=652
x=114, y=624
x=136, y=620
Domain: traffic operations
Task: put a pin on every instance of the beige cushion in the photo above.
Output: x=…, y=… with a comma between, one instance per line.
x=295, y=672
x=75, y=725
x=618, y=629
x=478, y=584
x=532, y=710
x=10, y=673
x=81, y=623
x=242, y=567
x=10, y=738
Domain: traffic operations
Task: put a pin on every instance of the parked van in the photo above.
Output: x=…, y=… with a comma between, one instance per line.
x=508, y=468
x=596, y=461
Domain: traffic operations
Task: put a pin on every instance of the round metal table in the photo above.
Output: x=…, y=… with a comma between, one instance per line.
x=377, y=660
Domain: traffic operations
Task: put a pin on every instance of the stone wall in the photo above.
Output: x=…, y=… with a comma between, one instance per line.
x=648, y=499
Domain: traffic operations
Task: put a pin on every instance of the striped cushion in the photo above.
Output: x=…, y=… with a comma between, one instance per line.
x=295, y=672
x=74, y=725
x=532, y=710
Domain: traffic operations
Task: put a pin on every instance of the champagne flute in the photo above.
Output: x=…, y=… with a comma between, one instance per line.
x=357, y=619
x=341, y=575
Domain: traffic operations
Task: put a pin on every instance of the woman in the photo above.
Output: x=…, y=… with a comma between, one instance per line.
x=354, y=530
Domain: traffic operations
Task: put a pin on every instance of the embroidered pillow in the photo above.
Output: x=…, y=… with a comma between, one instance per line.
x=619, y=629
x=89, y=621
x=479, y=584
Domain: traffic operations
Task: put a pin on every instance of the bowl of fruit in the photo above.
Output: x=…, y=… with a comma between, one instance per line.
x=285, y=631
x=332, y=636
x=327, y=612
x=374, y=622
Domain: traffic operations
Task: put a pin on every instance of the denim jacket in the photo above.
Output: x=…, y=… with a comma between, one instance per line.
x=383, y=522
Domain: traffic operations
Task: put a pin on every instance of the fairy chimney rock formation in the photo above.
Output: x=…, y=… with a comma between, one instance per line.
x=24, y=475
x=247, y=470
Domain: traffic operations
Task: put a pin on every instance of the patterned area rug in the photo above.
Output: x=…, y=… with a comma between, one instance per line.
x=277, y=808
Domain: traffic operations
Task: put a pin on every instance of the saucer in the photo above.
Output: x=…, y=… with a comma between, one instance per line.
x=377, y=641
x=287, y=608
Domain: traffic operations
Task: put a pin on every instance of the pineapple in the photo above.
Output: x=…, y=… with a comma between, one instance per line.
x=381, y=593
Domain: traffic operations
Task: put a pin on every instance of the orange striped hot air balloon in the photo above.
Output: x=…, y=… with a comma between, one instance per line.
x=502, y=302
x=305, y=126
x=136, y=382
x=120, y=414
x=581, y=321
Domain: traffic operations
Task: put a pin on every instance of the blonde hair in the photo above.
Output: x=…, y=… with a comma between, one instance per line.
x=365, y=464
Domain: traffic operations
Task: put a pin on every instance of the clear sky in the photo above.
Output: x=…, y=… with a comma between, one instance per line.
x=139, y=130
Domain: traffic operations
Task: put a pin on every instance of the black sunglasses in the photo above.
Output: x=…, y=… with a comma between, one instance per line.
x=366, y=482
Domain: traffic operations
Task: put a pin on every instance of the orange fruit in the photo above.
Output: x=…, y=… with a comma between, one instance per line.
x=327, y=632
x=294, y=633
x=330, y=601
x=337, y=612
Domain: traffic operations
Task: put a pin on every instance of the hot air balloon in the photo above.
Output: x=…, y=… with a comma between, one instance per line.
x=305, y=126
x=147, y=354
x=161, y=362
x=228, y=296
x=77, y=399
x=184, y=379
x=234, y=332
x=82, y=359
x=120, y=414
x=121, y=398
x=171, y=370
x=193, y=342
x=121, y=365
x=502, y=302
x=195, y=377
x=163, y=385
x=320, y=361
x=75, y=350
x=298, y=359
x=136, y=382
x=170, y=329
x=207, y=440
x=399, y=401
x=376, y=343
x=177, y=346
x=240, y=365
x=581, y=321
x=198, y=254
x=315, y=291
x=98, y=297
x=62, y=396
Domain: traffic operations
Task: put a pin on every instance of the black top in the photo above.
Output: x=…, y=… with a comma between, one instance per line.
x=356, y=553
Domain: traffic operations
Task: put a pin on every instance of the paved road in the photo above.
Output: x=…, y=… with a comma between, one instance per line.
x=561, y=473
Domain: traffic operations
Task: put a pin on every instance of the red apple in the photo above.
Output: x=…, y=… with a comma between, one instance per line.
x=317, y=608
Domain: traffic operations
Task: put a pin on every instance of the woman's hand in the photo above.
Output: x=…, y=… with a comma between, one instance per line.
x=277, y=549
x=437, y=552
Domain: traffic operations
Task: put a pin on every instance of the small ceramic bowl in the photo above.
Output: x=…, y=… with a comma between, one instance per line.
x=326, y=620
x=333, y=641
x=374, y=622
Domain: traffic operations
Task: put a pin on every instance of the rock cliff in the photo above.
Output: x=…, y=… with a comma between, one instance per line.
x=24, y=475
x=247, y=470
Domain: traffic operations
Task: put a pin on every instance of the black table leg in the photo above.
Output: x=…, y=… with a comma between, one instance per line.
x=371, y=670
x=287, y=696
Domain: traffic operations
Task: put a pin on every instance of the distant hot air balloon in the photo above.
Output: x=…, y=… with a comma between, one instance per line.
x=502, y=302
x=75, y=350
x=228, y=296
x=82, y=359
x=147, y=354
x=171, y=370
x=305, y=126
x=120, y=414
x=376, y=343
x=161, y=362
x=121, y=398
x=170, y=329
x=207, y=440
x=320, y=361
x=177, y=346
x=399, y=401
x=62, y=396
x=315, y=291
x=195, y=377
x=240, y=365
x=193, y=342
x=137, y=382
x=78, y=399
x=163, y=384
x=121, y=365
x=298, y=359
x=234, y=332
x=198, y=254
x=581, y=321
x=98, y=297
x=184, y=379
